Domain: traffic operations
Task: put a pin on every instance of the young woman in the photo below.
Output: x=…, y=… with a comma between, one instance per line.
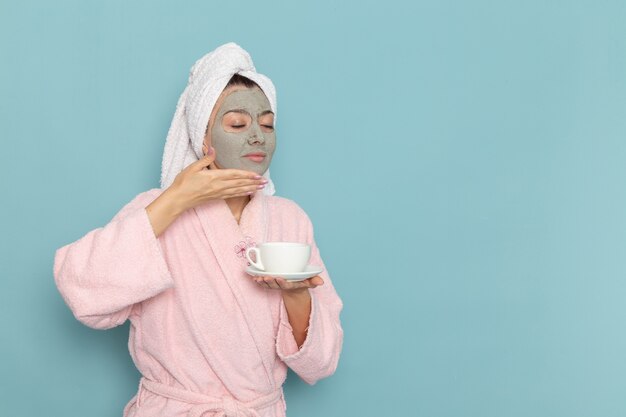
x=208, y=339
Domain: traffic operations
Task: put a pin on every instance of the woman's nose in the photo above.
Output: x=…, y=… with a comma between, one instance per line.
x=256, y=138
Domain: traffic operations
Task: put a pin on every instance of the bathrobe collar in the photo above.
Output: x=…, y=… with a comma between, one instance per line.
x=227, y=247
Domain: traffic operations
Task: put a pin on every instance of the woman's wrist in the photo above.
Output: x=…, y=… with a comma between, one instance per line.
x=298, y=306
x=164, y=210
x=296, y=293
x=176, y=204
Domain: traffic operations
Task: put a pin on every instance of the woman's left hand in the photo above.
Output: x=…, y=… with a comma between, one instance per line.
x=278, y=283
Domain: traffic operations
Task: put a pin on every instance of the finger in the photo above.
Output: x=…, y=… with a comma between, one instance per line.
x=229, y=192
x=282, y=283
x=317, y=280
x=260, y=282
x=234, y=174
x=238, y=195
x=203, y=162
x=245, y=182
x=271, y=282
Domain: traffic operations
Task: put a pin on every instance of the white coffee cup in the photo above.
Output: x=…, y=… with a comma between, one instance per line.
x=280, y=257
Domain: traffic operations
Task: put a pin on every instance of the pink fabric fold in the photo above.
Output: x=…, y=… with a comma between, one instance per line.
x=110, y=269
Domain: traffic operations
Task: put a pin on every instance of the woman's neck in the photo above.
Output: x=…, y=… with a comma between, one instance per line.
x=236, y=205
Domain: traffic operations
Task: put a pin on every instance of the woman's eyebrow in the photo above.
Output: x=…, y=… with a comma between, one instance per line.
x=242, y=111
x=266, y=112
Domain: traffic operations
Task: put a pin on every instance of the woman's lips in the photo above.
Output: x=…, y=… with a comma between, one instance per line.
x=256, y=157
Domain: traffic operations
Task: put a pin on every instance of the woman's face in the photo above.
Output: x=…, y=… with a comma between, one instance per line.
x=241, y=130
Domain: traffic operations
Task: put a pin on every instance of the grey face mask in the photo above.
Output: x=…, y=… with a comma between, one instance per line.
x=231, y=147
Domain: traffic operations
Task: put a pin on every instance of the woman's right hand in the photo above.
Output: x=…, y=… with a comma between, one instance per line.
x=196, y=184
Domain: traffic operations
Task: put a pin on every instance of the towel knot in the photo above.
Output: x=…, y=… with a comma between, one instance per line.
x=223, y=407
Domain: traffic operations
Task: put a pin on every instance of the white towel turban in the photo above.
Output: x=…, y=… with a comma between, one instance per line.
x=207, y=79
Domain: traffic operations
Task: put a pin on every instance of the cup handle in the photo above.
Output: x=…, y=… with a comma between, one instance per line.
x=257, y=264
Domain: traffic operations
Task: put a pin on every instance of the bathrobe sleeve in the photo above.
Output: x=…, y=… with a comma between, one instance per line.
x=318, y=356
x=104, y=273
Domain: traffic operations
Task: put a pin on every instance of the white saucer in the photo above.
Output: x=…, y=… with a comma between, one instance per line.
x=309, y=271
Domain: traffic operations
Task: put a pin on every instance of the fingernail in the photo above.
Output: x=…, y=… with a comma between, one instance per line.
x=265, y=181
x=249, y=192
x=260, y=187
x=258, y=177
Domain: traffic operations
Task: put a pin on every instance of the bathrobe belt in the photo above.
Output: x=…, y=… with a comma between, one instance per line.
x=225, y=407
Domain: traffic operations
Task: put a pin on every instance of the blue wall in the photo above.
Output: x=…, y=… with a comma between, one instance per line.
x=463, y=163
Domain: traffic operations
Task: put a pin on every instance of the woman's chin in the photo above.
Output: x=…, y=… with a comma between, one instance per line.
x=247, y=165
x=256, y=167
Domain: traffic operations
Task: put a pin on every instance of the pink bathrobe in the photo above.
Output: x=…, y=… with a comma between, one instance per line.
x=206, y=338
